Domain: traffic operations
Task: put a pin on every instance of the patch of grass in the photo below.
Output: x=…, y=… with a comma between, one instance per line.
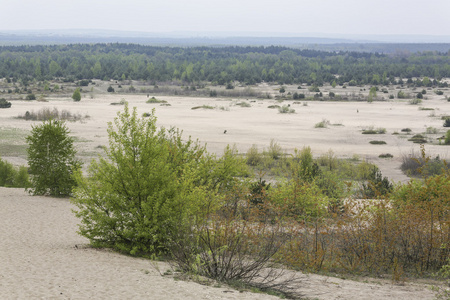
x=121, y=102
x=406, y=130
x=377, y=142
x=154, y=100
x=385, y=155
x=323, y=124
x=425, y=108
x=243, y=104
x=286, y=109
x=203, y=107
x=415, y=101
x=418, y=139
x=374, y=131
x=432, y=130
x=274, y=106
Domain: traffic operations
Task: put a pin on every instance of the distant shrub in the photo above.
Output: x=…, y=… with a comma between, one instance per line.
x=401, y=95
x=154, y=100
x=374, y=131
x=253, y=156
x=213, y=93
x=30, y=97
x=377, y=142
x=229, y=86
x=447, y=123
x=203, y=107
x=419, y=165
x=243, y=104
x=286, y=109
x=385, y=155
x=273, y=106
x=418, y=139
x=447, y=137
x=4, y=103
x=322, y=124
x=440, y=93
x=391, y=96
x=110, y=89
x=275, y=151
x=406, y=130
x=46, y=114
x=415, y=101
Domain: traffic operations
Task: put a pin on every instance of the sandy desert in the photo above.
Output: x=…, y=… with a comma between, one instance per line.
x=42, y=257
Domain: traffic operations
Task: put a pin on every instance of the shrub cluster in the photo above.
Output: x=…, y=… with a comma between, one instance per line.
x=13, y=177
x=45, y=114
x=4, y=103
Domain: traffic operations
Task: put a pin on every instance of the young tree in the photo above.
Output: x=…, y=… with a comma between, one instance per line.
x=51, y=157
x=149, y=184
x=76, y=95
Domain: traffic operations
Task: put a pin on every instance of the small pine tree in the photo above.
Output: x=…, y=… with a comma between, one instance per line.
x=76, y=95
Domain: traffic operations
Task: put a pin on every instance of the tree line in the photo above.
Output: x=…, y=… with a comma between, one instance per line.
x=219, y=65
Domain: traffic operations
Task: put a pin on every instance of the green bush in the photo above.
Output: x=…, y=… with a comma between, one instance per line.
x=13, y=177
x=31, y=97
x=51, y=157
x=286, y=109
x=447, y=137
x=76, y=95
x=154, y=100
x=152, y=182
x=4, y=103
x=377, y=142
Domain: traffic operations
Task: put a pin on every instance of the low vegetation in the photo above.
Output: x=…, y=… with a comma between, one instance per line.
x=154, y=100
x=45, y=114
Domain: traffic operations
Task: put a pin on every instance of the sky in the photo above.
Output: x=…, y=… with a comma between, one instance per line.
x=241, y=17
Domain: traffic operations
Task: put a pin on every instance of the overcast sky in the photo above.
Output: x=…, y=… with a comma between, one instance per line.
x=294, y=17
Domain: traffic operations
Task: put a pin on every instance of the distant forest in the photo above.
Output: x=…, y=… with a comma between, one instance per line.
x=219, y=65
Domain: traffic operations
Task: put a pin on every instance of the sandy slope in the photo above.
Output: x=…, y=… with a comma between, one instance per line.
x=42, y=257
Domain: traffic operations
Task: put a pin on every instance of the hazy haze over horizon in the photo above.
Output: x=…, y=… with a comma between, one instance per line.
x=244, y=17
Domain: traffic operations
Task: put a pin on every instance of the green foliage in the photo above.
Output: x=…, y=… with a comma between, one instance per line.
x=418, y=139
x=110, y=89
x=4, y=103
x=31, y=97
x=275, y=151
x=151, y=183
x=401, y=95
x=154, y=100
x=323, y=124
x=377, y=142
x=376, y=185
x=446, y=122
x=286, y=109
x=76, y=95
x=253, y=156
x=51, y=157
x=13, y=177
x=447, y=137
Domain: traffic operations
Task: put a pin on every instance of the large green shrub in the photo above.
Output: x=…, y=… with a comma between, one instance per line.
x=51, y=157
x=151, y=182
